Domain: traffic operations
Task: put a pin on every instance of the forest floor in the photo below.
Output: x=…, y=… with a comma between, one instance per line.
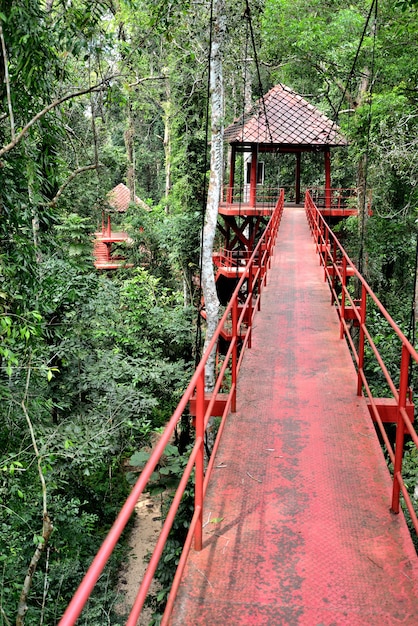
x=147, y=525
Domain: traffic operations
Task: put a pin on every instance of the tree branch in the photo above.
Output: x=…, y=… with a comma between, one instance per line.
x=7, y=81
x=93, y=121
x=48, y=108
x=4, y=616
x=47, y=526
x=143, y=80
x=71, y=177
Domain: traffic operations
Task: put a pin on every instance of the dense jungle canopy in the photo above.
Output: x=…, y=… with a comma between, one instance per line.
x=107, y=91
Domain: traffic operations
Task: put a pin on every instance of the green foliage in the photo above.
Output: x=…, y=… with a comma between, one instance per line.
x=107, y=361
x=389, y=347
x=165, y=480
x=99, y=361
x=167, y=474
x=391, y=268
x=404, y=4
x=172, y=551
x=410, y=477
x=410, y=469
x=74, y=235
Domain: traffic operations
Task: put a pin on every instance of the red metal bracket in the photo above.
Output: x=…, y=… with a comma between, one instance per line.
x=388, y=410
x=218, y=407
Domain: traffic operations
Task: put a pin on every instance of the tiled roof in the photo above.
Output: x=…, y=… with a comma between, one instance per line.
x=119, y=198
x=291, y=120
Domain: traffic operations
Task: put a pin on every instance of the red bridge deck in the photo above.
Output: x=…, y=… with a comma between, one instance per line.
x=298, y=528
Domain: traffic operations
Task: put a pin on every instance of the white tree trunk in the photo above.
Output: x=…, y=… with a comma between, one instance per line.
x=215, y=183
x=167, y=107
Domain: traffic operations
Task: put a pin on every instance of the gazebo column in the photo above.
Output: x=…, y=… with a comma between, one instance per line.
x=327, y=155
x=297, y=182
x=230, y=193
x=253, y=176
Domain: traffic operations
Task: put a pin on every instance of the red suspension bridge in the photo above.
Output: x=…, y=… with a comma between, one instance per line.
x=297, y=517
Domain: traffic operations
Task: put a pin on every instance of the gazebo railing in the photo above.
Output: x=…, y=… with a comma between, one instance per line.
x=265, y=195
x=339, y=199
x=231, y=258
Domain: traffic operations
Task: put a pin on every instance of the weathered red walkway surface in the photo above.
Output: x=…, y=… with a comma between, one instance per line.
x=301, y=487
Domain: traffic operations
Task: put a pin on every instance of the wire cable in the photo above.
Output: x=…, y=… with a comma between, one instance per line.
x=247, y=15
x=351, y=73
x=243, y=173
x=367, y=150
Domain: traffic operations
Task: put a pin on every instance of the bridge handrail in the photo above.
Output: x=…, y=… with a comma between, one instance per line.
x=339, y=267
x=256, y=276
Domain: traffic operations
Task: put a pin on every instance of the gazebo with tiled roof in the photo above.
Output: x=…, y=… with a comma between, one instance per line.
x=282, y=122
x=119, y=199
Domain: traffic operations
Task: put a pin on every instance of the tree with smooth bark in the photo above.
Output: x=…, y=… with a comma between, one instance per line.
x=215, y=183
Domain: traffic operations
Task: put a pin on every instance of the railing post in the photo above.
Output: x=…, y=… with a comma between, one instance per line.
x=321, y=243
x=327, y=155
x=334, y=273
x=234, y=354
x=262, y=272
x=343, y=288
x=309, y=210
x=250, y=302
x=200, y=433
x=229, y=197
x=318, y=226
x=325, y=251
x=363, y=307
x=400, y=429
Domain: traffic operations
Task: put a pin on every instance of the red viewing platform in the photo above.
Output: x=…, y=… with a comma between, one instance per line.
x=297, y=526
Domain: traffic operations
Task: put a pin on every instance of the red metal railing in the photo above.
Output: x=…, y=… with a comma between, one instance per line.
x=231, y=258
x=240, y=316
x=338, y=268
x=265, y=195
x=338, y=199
